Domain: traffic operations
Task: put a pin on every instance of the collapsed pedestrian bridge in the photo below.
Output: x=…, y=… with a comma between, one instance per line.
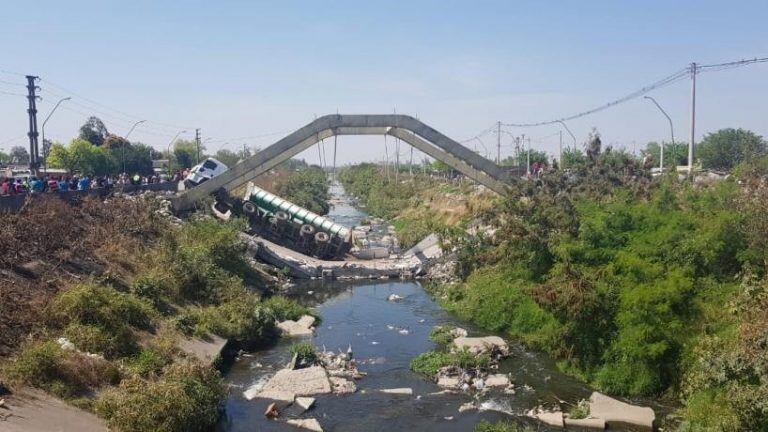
x=406, y=128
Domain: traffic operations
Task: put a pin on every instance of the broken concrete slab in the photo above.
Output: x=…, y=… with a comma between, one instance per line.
x=497, y=380
x=31, y=410
x=479, y=345
x=616, y=412
x=301, y=382
x=284, y=398
x=297, y=328
x=552, y=418
x=305, y=402
x=206, y=350
x=449, y=382
x=342, y=385
x=308, y=424
x=306, y=321
x=398, y=391
x=587, y=423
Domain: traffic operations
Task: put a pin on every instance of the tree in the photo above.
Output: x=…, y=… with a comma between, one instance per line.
x=94, y=131
x=522, y=159
x=674, y=155
x=19, y=155
x=572, y=158
x=83, y=157
x=726, y=148
x=5, y=158
x=228, y=157
x=185, y=153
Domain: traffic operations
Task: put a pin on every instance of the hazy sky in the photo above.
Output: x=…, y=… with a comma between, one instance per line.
x=261, y=69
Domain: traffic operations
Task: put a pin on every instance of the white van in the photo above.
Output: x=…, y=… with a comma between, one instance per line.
x=204, y=171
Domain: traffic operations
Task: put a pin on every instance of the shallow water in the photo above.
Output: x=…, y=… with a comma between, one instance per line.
x=384, y=337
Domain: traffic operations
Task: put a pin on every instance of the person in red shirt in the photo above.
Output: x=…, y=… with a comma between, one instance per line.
x=5, y=187
x=53, y=184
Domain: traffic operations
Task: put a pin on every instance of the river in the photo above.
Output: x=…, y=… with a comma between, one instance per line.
x=384, y=337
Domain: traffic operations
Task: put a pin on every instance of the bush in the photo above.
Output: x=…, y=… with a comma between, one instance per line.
x=430, y=362
x=441, y=335
x=146, y=362
x=66, y=374
x=185, y=398
x=117, y=342
x=97, y=305
x=304, y=352
x=580, y=410
x=284, y=308
x=245, y=321
x=503, y=426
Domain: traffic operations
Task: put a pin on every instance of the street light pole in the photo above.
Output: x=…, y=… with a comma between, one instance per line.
x=569, y=132
x=671, y=132
x=169, y=150
x=122, y=152
x=45, y=152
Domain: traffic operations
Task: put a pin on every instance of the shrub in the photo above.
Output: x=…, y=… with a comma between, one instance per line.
x=45, y=365
x=146, y=362
x=580, y=410
x=101, y=306
x=185, y=398
x=119, y=341
x=502, y=426
x=304, y=352
x=441, y=335
x=430, y=362
x=245, y=321
x=284, y=308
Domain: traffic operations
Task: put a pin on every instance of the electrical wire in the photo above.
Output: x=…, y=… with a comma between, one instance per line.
x=12, y=94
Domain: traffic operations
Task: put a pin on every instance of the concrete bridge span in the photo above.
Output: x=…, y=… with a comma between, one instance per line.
x=406, y=128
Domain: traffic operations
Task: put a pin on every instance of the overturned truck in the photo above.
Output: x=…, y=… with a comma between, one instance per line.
x=287, y=223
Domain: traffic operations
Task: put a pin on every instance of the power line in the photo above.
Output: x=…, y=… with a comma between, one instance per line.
x=12, y=94
x=730, y=65
x=677, y=76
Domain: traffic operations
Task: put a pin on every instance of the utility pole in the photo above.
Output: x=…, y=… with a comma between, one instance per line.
x=34, y=164
x=560, y=150
x=693, y=119
x=498, y=142
x=197, y=142
x=528, y=158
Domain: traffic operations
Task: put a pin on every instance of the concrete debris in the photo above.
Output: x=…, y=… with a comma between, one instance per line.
x=394, y=297
x=467, y=407
x=497, y=380
x=342, y=386
x=65, y=344
x=302, y=327
x=480, y=345
x=272, y=411
x=458, y=332
x=308, y=424
x=614, y=411
x=281, y=397
x=305, y=402
x=549, y=417
x=403, y=331
x=587, y=423
x=301, y=382
x=407, y=391
x=449, y=382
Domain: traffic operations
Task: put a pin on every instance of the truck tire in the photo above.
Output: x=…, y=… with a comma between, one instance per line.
x=322, y=237
x=249, y=208
x=307, y=230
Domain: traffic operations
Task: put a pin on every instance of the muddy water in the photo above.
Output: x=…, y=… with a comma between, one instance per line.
x=384, y=337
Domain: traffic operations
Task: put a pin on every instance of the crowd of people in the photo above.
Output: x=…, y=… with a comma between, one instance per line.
x=64, y=183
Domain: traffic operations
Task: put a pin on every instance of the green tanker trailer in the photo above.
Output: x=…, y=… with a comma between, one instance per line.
x=295, y=226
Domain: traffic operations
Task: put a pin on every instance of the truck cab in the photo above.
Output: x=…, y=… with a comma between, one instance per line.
x=204, y=171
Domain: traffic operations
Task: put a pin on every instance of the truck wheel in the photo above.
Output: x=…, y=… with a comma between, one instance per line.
x=281, y=215
x=249, y=208
x=307, y=230
x=322, y=237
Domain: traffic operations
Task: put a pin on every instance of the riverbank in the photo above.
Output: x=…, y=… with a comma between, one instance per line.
x=120, y=309
x=620, y=278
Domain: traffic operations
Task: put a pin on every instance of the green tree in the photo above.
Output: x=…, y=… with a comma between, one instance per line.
x=726, y=148
x=674, y=154
x=185, y=153
x=5, y=158
x=573, y=157
x=19, y=155
x=522, y=159
x=228, y=157
x=94, y=131
x=82, y=156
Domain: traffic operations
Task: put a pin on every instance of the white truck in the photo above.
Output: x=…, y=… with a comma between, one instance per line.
x=204, y=171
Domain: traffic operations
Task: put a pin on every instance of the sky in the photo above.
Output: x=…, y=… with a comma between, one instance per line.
x=250, y=72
